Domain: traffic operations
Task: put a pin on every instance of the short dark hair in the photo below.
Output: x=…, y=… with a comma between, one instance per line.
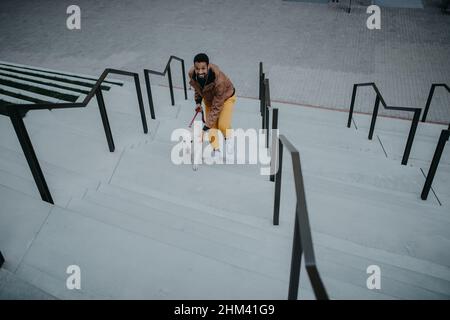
x=201, y=57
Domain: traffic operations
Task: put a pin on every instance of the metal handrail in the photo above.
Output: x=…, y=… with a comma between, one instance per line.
x=378, y=99
x=265, y=108
x=274, y=129
x=443, y=138
x=261, y=87
x=16, y=112
x=267, y=104
x=167, y=70
x=430, y=97
x=302, y=240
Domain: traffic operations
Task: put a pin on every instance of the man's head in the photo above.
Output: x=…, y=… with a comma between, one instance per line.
x=201, y=62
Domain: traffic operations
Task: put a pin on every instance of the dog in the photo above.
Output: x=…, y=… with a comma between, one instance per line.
x=193, y=144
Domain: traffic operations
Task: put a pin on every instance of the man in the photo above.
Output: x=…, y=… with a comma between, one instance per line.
x=218, y=94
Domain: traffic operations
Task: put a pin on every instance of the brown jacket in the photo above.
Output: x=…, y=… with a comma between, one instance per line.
x=214, y=92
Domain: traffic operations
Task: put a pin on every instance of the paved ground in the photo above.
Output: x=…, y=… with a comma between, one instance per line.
x=313, y=53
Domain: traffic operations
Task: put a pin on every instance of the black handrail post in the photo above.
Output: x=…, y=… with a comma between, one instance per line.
x=2, y=259
x=262, y=100
x=149, y=94
x=352, y=105
x=183, y=71
x=169, y=72
x=268, y=103
x=274, y=139
x=279, y=160
x=103, y=114
x=296, y=260
x=427, y=106
x=141, y=103
x=411, y=135
x=434, y=163
x=263, y=109
x=374, y=116
x=260, y=79
x=30, y=155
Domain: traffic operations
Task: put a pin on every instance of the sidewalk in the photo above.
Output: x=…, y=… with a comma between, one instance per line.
x=312, y=53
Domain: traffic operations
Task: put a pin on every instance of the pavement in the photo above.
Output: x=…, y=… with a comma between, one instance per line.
x=313, y=53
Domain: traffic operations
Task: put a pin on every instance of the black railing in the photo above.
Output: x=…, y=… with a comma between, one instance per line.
x=2, y=260
x=302, y=240
x=265, y=108
x=443, y=138
x=167, y=70
x=261, y=88
x=267, y=105
x=274, y=139
x=378, y=99
x=264, y=101
x=16, y=112
x=430, y=97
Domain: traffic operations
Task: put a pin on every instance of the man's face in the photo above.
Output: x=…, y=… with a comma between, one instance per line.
x=201, y=69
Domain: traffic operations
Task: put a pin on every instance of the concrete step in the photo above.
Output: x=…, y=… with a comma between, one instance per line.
x=14, y=288
x=196, y=212
x=212, y=244
x=403, y=235
x=22, y=217
x=385, y=176
x=62, y=183
x=73, y=151
x=118, y=262
x=385, y=179
x=126, y=129
x=341, y=254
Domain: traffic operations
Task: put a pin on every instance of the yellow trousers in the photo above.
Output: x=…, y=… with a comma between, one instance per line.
x=223, y=122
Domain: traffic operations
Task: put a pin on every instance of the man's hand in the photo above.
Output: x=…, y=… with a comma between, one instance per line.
x=198, y=108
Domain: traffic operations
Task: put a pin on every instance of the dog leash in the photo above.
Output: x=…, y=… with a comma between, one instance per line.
x=195, y=116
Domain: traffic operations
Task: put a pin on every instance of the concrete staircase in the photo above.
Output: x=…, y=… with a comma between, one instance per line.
x=141, y=227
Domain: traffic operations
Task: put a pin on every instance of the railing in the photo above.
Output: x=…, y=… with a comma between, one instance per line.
x=302, y=240
x=378, y=99
x=167, y=70
x=267, y=104
x=2, y=260
x=265, y=108
x=430, y=97
x=261, y=88
x=16, y=112
x=274, y=129
x=264, y=101
x=445, y=134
